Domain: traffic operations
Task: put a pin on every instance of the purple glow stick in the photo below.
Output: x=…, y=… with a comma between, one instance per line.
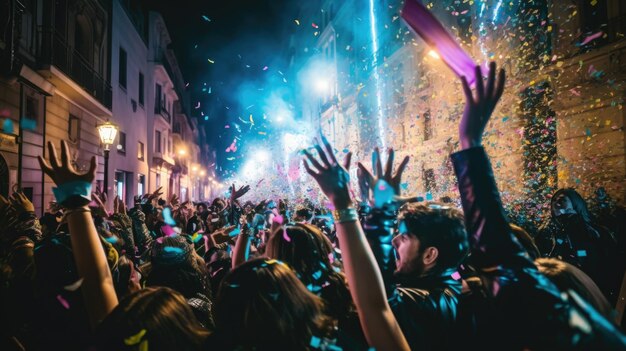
x=435, y=35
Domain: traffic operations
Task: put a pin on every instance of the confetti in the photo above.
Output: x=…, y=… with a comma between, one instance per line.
x=28, y=124
x=74, y=286
x=135, y=339
x=167, y=216
x=63, y=302
x=173, y=250
x=7, y=126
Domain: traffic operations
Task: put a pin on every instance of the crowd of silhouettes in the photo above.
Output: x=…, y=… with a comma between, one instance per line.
x=383, y=271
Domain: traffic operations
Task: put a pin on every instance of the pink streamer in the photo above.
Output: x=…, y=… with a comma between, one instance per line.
x=435, y=35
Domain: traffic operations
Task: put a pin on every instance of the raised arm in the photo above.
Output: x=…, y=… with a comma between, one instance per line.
x=379, y=224
x=490, y=236
x=364, y=278
x=73, y=191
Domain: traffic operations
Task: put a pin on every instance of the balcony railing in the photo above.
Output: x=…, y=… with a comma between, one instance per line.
x=57, y=51
x=161, y=110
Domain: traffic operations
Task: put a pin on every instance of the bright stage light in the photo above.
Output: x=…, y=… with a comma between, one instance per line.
x=261, y=156
x=321, y=85
x=434, y=54
x=292, y=142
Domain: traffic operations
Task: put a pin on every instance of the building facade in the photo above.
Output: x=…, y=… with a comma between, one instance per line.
x=59, y=61
x=560, y=122
x=55, y=86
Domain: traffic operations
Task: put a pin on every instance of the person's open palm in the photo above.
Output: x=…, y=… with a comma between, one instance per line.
x=64, y=172
x=333, y=178
x=478, y=109
x=368, y=180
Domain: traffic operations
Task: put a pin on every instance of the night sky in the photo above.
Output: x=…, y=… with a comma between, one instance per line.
x=242, y=38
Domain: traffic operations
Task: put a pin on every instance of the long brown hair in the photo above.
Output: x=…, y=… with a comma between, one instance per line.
x=309, y=252
x=262, y=305
x=158, y=316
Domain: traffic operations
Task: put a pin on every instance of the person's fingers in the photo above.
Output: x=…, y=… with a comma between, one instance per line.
x=313, y=161
x=54, y=160
x=45, y=166
x=329, y=149
x=309, y=170
x=347, y=160
x=366, y=173
x=469, y=98
x=65, y=156
x=480, y=85
x=389, y=166
x=377, y=165
x=93, y=166
x=3, y=200
x=500, y=85
x=322, y=155
x=401, y=167
x=491, y=80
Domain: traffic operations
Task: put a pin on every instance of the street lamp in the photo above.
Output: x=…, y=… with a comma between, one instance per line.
x=107, y=132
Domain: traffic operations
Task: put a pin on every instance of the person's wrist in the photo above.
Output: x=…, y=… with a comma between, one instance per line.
x=342, y=203
x=468, y=143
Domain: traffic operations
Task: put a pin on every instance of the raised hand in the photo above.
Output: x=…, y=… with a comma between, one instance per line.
x=367, y=180
x=21, y=203
x=5, y=205
x=174, y=201
x=333, y=178
x=478, y=109
x=119, y=206
x=156, y=194
x=64, y=172
x=235, y=194
x=101, y=208
x=101, y=195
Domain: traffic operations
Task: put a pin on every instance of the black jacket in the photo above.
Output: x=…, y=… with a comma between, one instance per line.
x=425, y=307
x=520, y=308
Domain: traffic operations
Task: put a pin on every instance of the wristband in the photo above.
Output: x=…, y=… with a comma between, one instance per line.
x=74, y=210
x=73, y=194
x=346, y=215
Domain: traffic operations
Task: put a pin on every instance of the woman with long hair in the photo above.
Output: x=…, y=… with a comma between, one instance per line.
x=262, y=305
x=152, y=318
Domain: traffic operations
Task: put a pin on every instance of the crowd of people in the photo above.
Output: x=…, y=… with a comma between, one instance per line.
x=386, y=272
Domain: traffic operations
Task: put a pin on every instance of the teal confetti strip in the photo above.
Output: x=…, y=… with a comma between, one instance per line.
x=7, y=126
x=174, y=250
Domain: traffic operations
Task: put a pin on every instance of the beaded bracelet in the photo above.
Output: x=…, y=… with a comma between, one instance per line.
x=346, y=215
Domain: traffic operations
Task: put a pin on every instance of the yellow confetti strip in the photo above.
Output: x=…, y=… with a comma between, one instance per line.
x=143, y=346
x=210, y=61
x=135, y=339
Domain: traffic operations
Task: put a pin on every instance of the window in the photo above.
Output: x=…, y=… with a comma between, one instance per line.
x=428, y=127
x=122, y=68
x=33, y=110
x=157, y=98
x=141, y=184
x=120, y=184
x=140, y=151
x=121, y=146
x=140, y=96
x=158, y=180
x=157, y=141
x=74, y=129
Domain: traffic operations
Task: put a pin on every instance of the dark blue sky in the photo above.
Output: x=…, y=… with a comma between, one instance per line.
x=241, y=37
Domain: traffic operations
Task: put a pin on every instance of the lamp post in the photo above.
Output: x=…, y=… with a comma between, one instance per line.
x=108, y=132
